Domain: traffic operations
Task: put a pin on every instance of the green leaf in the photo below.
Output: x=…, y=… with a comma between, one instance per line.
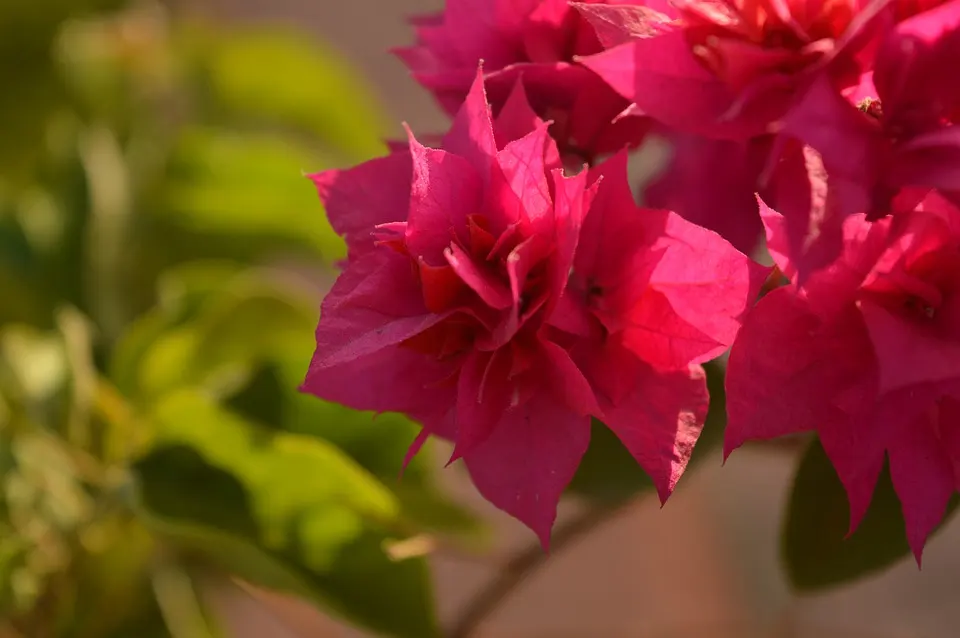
x=284, y=511
x=817, y=518
x=179, y=602
x=37, y=360
x=228, y=332
x=112, y=591
x=183, y=291
x=608, y=473
x=283, y=77
x=248, y=185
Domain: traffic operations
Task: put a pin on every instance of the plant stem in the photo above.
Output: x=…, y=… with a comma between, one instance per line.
x=522, y=565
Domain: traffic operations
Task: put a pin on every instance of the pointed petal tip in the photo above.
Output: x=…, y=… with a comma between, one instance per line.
x=414, y=449
x=729, y=445
x=545, y=544
x=455, y=456
x=917, y=544
x=665, y=491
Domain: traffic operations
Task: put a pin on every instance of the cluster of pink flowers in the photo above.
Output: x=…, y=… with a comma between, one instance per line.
x=504, y=288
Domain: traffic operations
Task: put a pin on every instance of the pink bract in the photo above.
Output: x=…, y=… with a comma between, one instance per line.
x=883, y=153
x=535, y=40
x=866, y=353
x=503, y=305
x=736, y=83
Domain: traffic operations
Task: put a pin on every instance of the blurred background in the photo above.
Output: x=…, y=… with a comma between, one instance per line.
x=162, y=260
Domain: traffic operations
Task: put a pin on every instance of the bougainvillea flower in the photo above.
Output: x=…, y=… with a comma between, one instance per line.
x=723, y=76
x=462, y=305
x=884, y=153
x=867, y=354
x=650, y=297
x=732, y=70
x=535, y=40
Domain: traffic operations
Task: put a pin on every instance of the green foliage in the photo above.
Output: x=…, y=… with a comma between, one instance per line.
x=263, y=78
x=815, y=549
x=152, y=342
x=299, y=514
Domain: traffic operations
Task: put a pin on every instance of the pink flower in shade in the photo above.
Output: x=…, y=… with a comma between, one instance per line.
x=475, y=300
x=867, y=354
x=881, y=150
x=732, y=69
x=535, y=40
x=723, y=76
x=650, y=297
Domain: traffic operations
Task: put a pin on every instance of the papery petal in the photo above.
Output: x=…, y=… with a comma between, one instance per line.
x=833, y=289
x=907, y=353
x=358, y=199
x=615, y=230
x=485, y=29
x=484, y=393
x=471, y=134
x=523, y=164
x=374, y=304
x=619, y=24
x=949, y=429
x=490, y=288
x=659, y=420
x=394, y=379
x=848, y=143
x=930, y=25
x=445, y=189
x=662, y=77
x=569, y=384
x=923, y=479
x=778, y=244
x=573, y=200
x=529, y=459
x=856, y=445
x=655, y=333
x=931, y=160
x=788, y=370
x=708, y=283
x=573, y=317
x=811, y=205
x=544, y=36
x=725, y=174
x=857, y=468
x=516, y=118
x=440, y=285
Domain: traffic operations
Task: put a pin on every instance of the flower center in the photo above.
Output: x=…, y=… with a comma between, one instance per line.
x=871, y=107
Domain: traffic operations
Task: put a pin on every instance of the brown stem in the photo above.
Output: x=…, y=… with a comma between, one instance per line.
x=522, y=565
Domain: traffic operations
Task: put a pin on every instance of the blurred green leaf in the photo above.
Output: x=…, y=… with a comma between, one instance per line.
x=179, y=602
x=27, y=33
x=182, y=292
x=813, y=544
x=284, y=511
x=251, y=185
x=608, y=473
x=36, y=362
x=76, y=331
x=283, y=77
x=250, y=316
x=111, y=588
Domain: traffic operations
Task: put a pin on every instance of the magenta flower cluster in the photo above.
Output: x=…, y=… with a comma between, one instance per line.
x=503, y=287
